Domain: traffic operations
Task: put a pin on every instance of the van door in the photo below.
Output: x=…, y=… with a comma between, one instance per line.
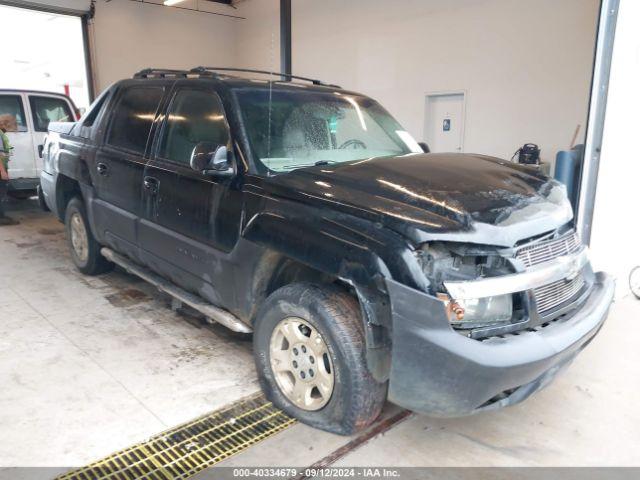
x=44, y=109
x=21, y=164
x=191, y=221
x=119, y=165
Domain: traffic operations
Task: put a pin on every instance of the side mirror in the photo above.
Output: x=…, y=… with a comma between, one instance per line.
x=211, y=159
x=425, y=147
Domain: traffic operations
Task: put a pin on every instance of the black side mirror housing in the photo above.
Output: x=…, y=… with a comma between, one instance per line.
x=424, y=147
x=211, y=159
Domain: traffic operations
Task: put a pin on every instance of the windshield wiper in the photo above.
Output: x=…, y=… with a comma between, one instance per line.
x=306, y=165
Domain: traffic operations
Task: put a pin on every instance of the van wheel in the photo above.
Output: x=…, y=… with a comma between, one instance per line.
x=21, y=194
x=41, y=202
x=309, y=350
x=85, y=250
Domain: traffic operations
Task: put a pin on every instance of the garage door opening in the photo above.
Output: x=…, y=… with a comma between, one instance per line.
x=45, y=51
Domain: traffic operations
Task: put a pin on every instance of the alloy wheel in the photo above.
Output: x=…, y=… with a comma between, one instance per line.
x=79, y=237
x=301, y=363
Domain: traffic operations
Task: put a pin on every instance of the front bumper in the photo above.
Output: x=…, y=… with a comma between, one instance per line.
x=439, y=372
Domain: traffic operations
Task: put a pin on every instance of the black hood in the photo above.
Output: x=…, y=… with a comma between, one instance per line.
x=429, y=193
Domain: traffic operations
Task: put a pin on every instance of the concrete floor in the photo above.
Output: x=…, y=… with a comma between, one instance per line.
x=91, y=365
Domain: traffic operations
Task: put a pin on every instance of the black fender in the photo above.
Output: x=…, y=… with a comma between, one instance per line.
x=359, y=252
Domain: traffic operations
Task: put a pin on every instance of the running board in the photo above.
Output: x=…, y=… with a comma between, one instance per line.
x=207, y=309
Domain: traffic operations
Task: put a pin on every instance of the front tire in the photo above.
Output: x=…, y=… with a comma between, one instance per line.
x=85, y=250
x=309, y=349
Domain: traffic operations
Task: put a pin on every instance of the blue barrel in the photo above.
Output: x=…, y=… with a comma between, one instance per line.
x=567, y=171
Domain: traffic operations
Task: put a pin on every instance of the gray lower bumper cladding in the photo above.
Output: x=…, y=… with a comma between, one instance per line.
x=437, y=371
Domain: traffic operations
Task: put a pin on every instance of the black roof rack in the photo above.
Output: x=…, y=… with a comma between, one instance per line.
x=161, y=73
x=211, y=72
x=263, y=72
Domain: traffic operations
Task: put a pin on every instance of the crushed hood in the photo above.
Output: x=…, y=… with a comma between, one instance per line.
x=460, y=197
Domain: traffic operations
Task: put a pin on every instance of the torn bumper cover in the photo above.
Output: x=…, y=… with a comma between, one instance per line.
x=439, y=372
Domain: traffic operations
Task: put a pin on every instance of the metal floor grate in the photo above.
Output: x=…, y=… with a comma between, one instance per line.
x=188, y=449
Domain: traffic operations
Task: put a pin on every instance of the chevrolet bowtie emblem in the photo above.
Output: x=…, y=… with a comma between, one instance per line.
x=574, y=270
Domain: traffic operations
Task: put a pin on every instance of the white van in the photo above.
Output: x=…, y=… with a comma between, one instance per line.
x=33, y=111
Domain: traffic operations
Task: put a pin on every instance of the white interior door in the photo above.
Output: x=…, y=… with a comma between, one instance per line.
x=444, y=122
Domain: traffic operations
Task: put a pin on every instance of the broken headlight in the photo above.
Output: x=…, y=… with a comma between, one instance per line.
x=443, y=262
x=483, y=311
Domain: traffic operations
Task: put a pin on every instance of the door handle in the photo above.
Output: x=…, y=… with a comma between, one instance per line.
x=151, y=184
x=102, y=169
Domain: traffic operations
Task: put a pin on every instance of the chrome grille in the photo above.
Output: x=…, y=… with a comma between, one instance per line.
x=556, y=293
x=546, y=250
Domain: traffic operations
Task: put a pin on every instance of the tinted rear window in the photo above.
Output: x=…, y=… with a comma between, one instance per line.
x=49, y=109
x=132, y=118
x=12, y=105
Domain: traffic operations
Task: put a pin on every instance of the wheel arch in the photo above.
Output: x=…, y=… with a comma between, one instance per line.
x=296, y=249
x=66, y=189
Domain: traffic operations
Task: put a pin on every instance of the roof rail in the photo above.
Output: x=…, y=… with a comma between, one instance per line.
x=161, y=73
x=261, y=72
x=211, y=72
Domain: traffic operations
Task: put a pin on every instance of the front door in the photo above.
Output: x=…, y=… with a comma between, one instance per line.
x=191, y=220
x=45, y=109
x=119, y=166
x=22, y=161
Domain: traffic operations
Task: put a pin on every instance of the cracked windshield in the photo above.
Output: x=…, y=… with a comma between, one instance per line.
x=291, y=129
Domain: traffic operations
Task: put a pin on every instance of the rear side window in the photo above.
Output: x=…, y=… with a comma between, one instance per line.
x=133, y=116
x=12, y=105
x=49, y=109
x=94, y=111
x=194, y=116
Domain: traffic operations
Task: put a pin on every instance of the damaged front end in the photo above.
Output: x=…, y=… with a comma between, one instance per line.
x=492, y=291
x=498, y=322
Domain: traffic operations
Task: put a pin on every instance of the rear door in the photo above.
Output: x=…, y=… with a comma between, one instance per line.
x=43, y=110
x=191, y=221
x=21, y=164
x=119, y=165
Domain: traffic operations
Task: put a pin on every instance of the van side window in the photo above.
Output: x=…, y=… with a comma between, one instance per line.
x=194, y=116
x=133, y=116
x=12, y=105
x=49, y=109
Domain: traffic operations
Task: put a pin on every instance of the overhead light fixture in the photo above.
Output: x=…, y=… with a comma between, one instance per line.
x=168, y=3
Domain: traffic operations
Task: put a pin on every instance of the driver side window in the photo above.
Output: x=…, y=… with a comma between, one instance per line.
x=194, y=116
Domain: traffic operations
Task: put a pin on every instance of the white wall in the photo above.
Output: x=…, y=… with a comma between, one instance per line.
x=615, y=239
x=128, y=36
x=525, y=65
x=258, y=37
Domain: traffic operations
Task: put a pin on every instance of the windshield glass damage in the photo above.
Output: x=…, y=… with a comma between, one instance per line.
x=291, y=129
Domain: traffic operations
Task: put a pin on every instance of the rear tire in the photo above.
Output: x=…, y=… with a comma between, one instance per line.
x=84, y=249
x=41, y=202
x=326, y=317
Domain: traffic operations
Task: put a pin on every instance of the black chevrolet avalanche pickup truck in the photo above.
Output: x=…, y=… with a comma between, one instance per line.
x=366, y=268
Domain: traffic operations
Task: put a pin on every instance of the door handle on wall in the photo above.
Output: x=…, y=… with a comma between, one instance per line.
x=151, y=184
x=102, y=169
